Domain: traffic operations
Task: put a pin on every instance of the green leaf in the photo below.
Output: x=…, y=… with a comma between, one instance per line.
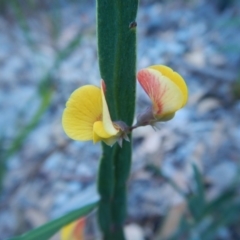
x=222, y=200
x=200, y=185
x=198, y=198
x=47, y=230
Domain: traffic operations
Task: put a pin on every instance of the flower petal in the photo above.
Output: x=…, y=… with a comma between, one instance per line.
x=99, y=130
x=175, y=77
x=99, y=134
x=74, y=230
x=110, y=141
x=107, y=122
x=83, y=108
x=166, y=96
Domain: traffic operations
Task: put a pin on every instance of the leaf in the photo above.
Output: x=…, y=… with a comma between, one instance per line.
x=198, y=198
x=47, y=230
x=222, y=200
x=200, y=185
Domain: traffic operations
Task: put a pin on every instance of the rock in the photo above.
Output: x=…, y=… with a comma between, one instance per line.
x=61, y=199
x=86, y=196
x=35, y=217
x=133, y=232
x=226, y=169
x=9, y=223
x=53, y=162
x=196, y=57
x=207, y=105
x=85, y=171
x=217, y=60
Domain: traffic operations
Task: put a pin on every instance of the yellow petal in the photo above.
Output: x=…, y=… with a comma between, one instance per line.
x=110, y=141
x=166, y=96
x=99, y=130
x=175, y=77
x=99, y=134
x=83, y=108
x=107, y=122
x=96, y=138
x=66, y=232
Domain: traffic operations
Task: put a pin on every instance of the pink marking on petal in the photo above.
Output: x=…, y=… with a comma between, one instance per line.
x=153, y=87
x=78, y=228
x=103, y=85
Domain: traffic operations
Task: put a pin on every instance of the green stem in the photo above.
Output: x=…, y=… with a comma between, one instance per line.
x=117, y=62
x=119, y=205
x=105, y=189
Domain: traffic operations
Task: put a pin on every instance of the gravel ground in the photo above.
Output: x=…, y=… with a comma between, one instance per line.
x=51, y=174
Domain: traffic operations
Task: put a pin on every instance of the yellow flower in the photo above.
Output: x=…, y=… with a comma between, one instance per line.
x=86, y=116
x=74, y=230
x=166, y=89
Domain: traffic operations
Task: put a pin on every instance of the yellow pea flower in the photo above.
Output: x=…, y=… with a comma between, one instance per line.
x=86, y=116
x=167, y=91
x=74, y=230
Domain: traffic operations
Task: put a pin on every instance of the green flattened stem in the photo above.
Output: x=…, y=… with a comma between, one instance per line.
x=116, y=29
x=105, y=189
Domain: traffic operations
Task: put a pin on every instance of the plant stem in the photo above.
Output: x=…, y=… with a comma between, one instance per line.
x=117, y=62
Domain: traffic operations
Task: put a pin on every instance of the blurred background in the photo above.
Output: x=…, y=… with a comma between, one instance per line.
x=48, y=49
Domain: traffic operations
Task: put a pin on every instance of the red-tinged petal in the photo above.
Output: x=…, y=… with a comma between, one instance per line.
x=166, y=96
x=79, y=229
x=74, y=230
x=175, y=77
